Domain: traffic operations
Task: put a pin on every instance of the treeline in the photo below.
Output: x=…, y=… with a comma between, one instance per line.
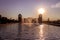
x=6, y=20
x=56, y=22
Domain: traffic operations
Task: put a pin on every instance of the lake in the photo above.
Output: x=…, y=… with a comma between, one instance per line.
x=29, y=31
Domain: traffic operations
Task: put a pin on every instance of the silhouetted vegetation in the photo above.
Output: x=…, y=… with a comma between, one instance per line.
x=56, y=22
x=6, y=20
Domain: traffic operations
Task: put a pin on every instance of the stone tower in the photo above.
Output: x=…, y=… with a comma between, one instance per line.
x=40, y=19
x=20, y=18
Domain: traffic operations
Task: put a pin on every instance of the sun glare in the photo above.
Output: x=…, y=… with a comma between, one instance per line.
x=41, y=11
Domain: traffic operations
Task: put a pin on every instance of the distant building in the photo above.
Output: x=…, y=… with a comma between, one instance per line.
x=40, y=19
x=20, y=18
x=25, y=20
x=34, y=20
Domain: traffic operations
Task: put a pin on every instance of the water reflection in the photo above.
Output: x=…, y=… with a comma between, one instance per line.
x=41, y=32
x=29, y=32
x=19, y=32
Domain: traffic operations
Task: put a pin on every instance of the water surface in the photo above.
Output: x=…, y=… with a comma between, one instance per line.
x=29, y=32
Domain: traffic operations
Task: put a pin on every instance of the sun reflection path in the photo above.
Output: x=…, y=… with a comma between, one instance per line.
x=41, y=32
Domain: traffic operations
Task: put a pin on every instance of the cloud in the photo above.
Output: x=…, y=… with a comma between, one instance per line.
x=57, y=5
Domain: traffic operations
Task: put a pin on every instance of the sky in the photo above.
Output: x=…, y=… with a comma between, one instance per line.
x=28, y=8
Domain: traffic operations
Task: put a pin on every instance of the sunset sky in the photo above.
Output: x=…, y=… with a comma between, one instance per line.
x=28, y=8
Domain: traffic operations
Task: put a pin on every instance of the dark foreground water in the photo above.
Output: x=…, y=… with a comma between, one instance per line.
x=29, y=32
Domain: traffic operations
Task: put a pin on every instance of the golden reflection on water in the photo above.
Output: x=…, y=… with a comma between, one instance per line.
x=41, y=32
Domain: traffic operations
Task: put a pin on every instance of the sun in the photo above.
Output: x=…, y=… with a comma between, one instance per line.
x=41, y=10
